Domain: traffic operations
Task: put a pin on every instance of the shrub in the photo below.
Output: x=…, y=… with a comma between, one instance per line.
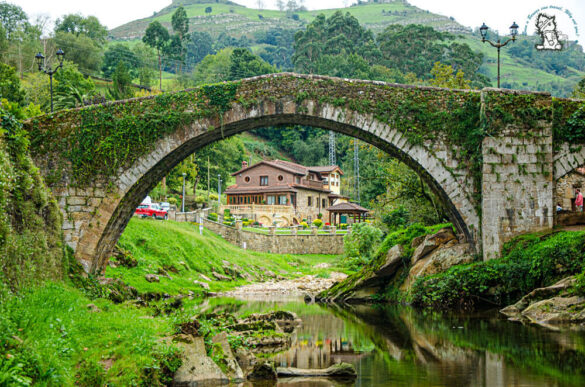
x=362, y=241
x=212, y=216
x=226, y=213
x=318, y=223
x=305, y=225
x=172, y=201
x=213, y=197
x=319, y=215
x=200, y=199
x=342, y=226
x=528, y=262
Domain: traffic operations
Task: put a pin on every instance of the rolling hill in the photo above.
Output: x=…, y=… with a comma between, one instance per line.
x=237, y=20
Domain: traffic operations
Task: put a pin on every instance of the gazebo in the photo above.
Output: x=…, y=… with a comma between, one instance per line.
x=357, y=212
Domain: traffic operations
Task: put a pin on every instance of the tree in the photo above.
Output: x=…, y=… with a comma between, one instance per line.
x=180, y=23
x=443, y=77
x=280, y=5
x=199, y=46
x=145, y=71
x=579, y=91
x=72, y=89
x=78, y=25
x=208, y=10
x=340, y=34
x=122, y=83
x=213, y=68
x=80, y=49
x=10, y=85
x=157, y=37
x=12, y=19
x=117, y=53
x=244, y=64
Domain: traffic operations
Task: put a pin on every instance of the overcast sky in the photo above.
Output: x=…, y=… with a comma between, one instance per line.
x=497, y=14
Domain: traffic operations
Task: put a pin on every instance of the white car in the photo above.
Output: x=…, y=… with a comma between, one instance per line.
x=165, y=206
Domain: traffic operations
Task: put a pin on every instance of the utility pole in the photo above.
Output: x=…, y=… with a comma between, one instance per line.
x=332, y=158
x=183, y=201
x=356, y=169
x=208, y=180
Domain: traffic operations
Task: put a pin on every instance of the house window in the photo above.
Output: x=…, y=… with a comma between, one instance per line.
x=271, y=199
x=280, y=178
x=324, y=203
x=298, y=179
x=263, y=180
x=309, y=201
x=247, y=179
x=282, y=200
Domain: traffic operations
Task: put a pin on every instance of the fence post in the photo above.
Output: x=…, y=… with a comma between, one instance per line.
x=293, y=230
x=239, y=224
x=314, y=230
x=332, y=230
x=271, y=230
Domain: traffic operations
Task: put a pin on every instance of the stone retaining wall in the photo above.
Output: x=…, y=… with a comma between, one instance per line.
x=279, y=244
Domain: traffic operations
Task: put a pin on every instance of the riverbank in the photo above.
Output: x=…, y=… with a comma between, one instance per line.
x=174, y=258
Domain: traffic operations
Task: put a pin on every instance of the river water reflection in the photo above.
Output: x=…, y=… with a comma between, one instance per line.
x=401, y=346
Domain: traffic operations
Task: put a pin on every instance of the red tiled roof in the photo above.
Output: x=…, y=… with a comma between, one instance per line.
x=291, y=167
x=325, y=169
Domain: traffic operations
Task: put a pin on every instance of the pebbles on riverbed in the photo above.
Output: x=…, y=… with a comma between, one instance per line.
x=298, y=286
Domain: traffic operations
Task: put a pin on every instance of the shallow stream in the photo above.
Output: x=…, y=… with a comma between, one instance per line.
x=401, y=346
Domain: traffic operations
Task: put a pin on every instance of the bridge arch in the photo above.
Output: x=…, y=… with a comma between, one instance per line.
x=96, y=214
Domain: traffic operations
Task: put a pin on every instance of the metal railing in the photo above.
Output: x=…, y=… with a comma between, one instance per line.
x=236, y=209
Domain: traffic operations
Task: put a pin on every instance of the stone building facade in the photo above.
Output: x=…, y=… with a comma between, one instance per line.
x=283, y=192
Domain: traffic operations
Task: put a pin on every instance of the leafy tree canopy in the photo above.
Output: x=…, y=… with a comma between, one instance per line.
x=156, y=36
x=199, y=46
x=80, y=49
x=78, y=25
x=180, y=23
x=244, y=64
x=443, y=76
x=117, y=53
x=10, y=85
x=340, y=34
x=12, y=19
x=415, y=48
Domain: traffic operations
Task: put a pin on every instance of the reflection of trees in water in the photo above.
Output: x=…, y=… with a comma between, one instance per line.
x=405, y=346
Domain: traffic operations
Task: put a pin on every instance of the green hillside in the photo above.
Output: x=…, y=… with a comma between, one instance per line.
x=238, y=21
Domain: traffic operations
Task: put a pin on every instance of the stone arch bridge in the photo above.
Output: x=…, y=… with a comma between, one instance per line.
x=490, y=155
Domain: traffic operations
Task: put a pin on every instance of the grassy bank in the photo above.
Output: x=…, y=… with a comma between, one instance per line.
x=49, y=336
x=178, y=250
x=528, y=262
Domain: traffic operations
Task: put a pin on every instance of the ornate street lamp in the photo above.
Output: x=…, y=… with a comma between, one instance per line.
x=513, y=32
x=218, y=191
x=47, y=70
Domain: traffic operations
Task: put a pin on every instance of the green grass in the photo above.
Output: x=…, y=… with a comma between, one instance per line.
x=528, y=262
x=48, y=336
x=158, y=244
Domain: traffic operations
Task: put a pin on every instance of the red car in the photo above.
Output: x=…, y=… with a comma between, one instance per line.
x=151, y=210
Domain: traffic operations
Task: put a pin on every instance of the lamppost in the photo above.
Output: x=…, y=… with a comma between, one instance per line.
x=513, y=31
x=41, y=62
x=183, y=201
x=218, y=191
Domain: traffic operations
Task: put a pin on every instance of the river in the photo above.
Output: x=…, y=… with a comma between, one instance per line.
x=401, y=346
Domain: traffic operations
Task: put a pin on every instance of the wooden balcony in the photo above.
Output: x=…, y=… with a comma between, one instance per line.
x=237, y=209
x=312, y=183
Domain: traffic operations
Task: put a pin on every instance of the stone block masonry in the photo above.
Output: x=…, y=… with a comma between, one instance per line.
x=517, y=179
x=279, y=244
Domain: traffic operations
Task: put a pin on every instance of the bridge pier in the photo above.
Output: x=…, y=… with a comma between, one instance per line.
x=517, y=172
